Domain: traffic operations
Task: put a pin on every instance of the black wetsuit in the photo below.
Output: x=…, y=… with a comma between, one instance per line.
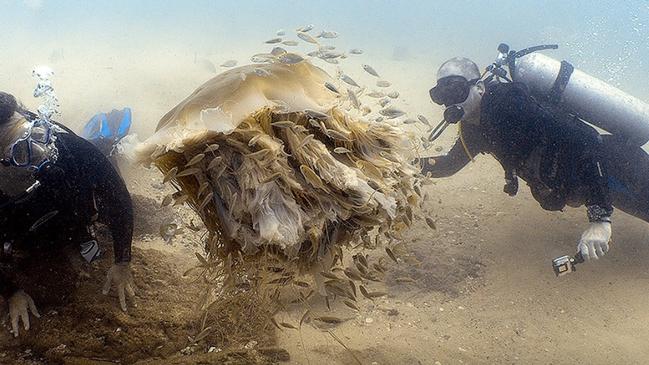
x=83, y=187
x=562, y=159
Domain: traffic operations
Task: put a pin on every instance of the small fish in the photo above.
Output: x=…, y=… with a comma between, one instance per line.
x=352, y=274
x=348, y=80
x=370, y=70
x=351, y=305
x=430, y=223
x=311, y=177
x=290, y=59
x=305, y=28
x=283, y=124
x=301, y=284
x=196, y=159
x=423, y=120
x=274, y=40
x=307, y=38
x=305, y=317
x=331, y=87
x=288, y=325
x=262, y=58
x=383, y=102
x=206, y=200
x=356, y=51
x=261, y=72
x=327, y=35
x=383, y=83
x=391, y=113
x=327, y=47
x=229, y=63
x=189, y=171
x=280, y=33
x=215, y=161
x=290, y=43
x=333, y=61
x=376, y=94
x=353, y=99
x=391, y=254
x=379, y=119
x=329, y=319
x=410, y=121
x=42, y=220
x=394, y=95
x=278, y=51
x=171, y=174
x=211, y=148
x=341, y=150
x=306, y=140
x=364, y=291
x=167, y=200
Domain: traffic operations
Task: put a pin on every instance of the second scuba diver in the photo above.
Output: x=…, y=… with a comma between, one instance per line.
x=564, y=160
x=54, y=186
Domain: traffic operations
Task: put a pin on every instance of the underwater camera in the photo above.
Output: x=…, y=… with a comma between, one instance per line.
x=566, y=264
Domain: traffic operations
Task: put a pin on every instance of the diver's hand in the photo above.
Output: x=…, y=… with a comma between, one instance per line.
x=20, y=304
x=120, y=275
x=594, y=241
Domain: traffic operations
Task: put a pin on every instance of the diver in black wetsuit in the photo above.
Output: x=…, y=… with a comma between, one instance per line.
x=562, y=159
x=54, y=186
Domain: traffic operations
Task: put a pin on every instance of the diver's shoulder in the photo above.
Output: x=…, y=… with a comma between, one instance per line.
x=507, y=88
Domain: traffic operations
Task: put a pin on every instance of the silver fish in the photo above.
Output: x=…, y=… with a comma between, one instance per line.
x=379, y=119
x=333, y=61
x=278, y=51
x=410, y=121
x=353, y=99
x=423, y=120
x=306, y=37
x=327, y=35
x=356, y=51
x=313, y=53
x=229, y=63
x=262, y=72
x=274, y=40
x=394, y=94
x=348, y=80
x=262, y=58
x=391, y=113
x=327, y=47
x=376, y=94
x=331, y=87
x=327, y=55
x=290, y=58
x=370, y=70
x=383, y=102
x=280, y=33
x=305, y=28
x=383, y=83
x=290, y=43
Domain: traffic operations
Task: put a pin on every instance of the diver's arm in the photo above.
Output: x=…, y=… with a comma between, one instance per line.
x=456, y=158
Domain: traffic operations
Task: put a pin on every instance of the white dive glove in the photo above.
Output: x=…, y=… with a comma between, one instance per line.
x=120, y=275
x=20, y=304
x=594, y=241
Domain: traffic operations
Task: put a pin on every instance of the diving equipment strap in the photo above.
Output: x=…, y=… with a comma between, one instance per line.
x=556, y=92
x=466, y=149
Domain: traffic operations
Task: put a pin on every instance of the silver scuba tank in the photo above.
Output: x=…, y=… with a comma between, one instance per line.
x=588, y=97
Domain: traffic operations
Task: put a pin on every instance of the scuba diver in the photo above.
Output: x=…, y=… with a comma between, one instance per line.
x=54, y=186
x=532, y=121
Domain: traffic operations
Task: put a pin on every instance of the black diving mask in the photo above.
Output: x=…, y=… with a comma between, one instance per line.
x=451, y=90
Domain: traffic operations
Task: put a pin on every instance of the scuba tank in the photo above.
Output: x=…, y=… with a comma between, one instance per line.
x=580, y=94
